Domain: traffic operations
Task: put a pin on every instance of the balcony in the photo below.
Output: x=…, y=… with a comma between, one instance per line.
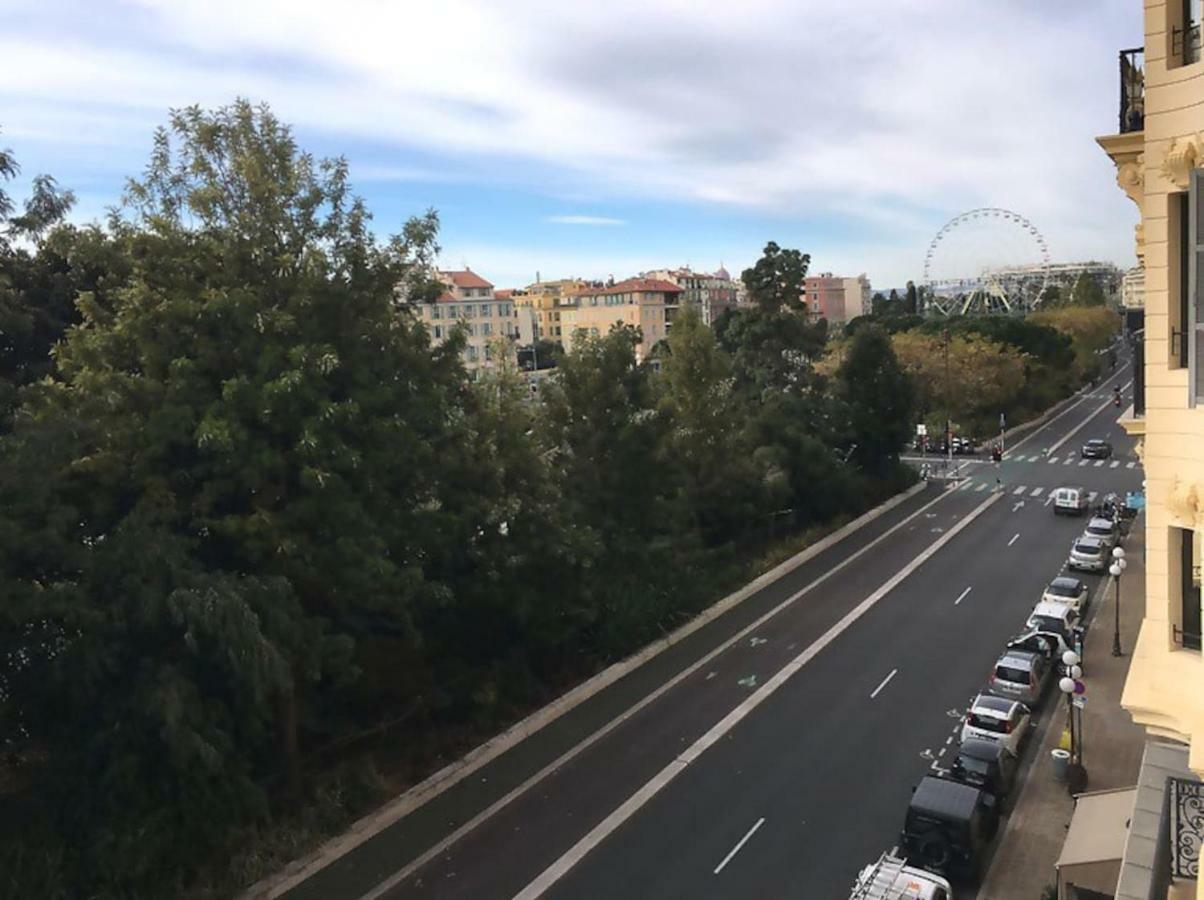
x=1185, y=43
x=1132, y=90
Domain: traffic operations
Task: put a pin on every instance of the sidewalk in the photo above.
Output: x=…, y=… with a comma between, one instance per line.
x=1032, y=838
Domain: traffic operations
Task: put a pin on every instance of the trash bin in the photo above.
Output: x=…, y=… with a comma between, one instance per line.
x=1061, y=761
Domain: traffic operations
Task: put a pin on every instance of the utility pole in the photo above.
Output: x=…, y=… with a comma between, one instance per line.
x=948, y=400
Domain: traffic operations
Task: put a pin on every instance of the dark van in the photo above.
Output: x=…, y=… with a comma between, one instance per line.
x=987, y=765
x=949, y=826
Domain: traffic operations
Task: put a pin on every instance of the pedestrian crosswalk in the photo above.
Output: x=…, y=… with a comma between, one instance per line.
x=1068, y=460
x=1020, y=490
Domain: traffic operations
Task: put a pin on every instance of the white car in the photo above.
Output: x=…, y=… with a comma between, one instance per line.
x=1105, y=530
x=1071, y=591
x=996, y=719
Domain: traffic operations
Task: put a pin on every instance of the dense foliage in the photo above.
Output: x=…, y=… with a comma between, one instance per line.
x=253, y=524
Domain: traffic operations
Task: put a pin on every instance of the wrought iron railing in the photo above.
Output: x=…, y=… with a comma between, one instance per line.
x=1188, y=640
x=1132, y=90
x=1185, y=43
x=1139, y=375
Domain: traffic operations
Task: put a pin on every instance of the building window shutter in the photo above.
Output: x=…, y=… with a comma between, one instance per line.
x=1195, y=282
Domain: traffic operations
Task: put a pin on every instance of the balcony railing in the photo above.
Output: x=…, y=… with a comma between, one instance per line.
x=1185, y=43
x=1132, y=90
x=1139, y=374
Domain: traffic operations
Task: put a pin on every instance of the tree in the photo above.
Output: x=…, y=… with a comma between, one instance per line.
x=778, y=279
x=770, y=350
x=877, y=304
x=912, y=304
x=246, y=456
x=720, y=483
x=878, y=401
x=1086, y=292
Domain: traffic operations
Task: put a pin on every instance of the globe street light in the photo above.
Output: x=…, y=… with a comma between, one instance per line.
x=1115, y=570
x=1066, y=686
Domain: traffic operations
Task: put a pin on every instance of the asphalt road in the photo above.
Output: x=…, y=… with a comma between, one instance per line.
x=806, y=782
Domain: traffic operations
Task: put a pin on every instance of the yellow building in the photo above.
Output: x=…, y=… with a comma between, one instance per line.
x=1158, y=151
x=639, y=302
x=469, y=300
x=547, y=298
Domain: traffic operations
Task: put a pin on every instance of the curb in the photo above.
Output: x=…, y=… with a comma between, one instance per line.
x=372, y=824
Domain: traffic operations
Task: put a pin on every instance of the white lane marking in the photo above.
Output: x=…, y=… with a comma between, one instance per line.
x=1052, y=460
x=1020, y=490
x=1076, y=428
x=1099, y=463
x=1114, y=464
x=982, y=486
x=885, y=682
x=1130, y=465
x=632, y=805
x=736, y=849
x=1036, y=492
x=1015, y=537
x=1049, y=499
x=1083, y=462
x=962, y=595
x=1069, y=461
x=414, y=865
x=1091, y=497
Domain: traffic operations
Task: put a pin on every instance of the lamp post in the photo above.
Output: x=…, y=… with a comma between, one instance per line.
x=1068, y=685
x=1118, y=566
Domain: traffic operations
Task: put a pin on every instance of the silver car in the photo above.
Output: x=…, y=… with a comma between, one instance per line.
x=1088, y=554
x=1020, y=675
x=1104, y=529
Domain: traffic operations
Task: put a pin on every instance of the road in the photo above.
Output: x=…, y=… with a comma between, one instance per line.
x=772, y=753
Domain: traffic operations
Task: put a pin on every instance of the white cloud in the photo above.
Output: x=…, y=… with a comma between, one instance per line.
x=586, y=220
x=881, y=111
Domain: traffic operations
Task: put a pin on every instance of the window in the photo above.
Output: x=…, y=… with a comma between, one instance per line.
x=472, y=329
x=1185, y=36
x=488, y=353
x=486, y=329
x=1194, y=334
x=471, y=352
x=453, y=311
x=1186, y=593
x=485, y=311
x=470, y=311
x=436, y=312
x=438, y=332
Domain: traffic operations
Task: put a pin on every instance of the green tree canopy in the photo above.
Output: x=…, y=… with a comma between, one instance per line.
x=878, y=401
x=778, y=279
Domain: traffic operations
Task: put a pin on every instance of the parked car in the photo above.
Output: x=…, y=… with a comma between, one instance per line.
x=997, y=719
x=987, y=765
x=949, y=826
x=1088, y=554
x=1049, y=644
x=1069, y=590
x=1105, y=530
x=1059, y=618
x=1071, y=501
x=1096, y=449
x=1021, y=675
x=890, y=878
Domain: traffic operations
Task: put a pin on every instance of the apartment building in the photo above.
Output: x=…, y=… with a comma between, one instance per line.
x=711, y=292
x=1158, y=150
x=639, y=302
x=836, y=298
x=469, y=299
x=545, y=299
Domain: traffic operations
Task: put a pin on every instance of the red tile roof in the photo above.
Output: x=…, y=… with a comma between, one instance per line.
x=503, y=294
x=466, y=279
x=632, y=285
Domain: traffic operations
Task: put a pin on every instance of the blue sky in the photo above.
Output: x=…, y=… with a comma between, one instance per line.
x=589, y=138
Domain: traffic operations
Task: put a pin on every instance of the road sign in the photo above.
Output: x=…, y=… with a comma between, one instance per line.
x=1002, y=420
x=921, y=429
x=1079, y=702
x=1080, y=688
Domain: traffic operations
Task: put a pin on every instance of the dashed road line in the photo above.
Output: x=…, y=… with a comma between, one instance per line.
x=885, y=682
x=1036, y=492
x=1015, y=537
x=736, y=849
x=1020, y=490
x=962, y=596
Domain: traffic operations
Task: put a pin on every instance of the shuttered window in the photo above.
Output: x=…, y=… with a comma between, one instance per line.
x=1195, y=282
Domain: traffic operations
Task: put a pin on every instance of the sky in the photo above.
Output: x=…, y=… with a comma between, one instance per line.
x=582, y=138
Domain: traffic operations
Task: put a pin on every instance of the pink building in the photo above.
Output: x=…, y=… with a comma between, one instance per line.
x=836, y=299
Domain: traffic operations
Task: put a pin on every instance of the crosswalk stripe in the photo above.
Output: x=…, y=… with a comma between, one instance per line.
x=1098, y=463
x=1020, y=490
x=1083, y=462
x=1036, y=492
x=1115, y=463
x=1069, y=460
x=1052, y=460
x=1091, y=497
x=965, y=485
x=981, y=487
x=1130, y=465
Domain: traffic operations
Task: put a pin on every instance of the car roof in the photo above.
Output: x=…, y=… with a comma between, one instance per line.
x=1065, y=581
x=1096, y=441
x=975, y=748
x=1100, y=522
x=1088, y=540
x=995, y=706
x=1073, y=487
x=1051, y=609
x=1018, y=659
x=943, y=797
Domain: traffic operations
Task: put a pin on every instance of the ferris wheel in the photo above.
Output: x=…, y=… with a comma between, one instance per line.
x=987, y=260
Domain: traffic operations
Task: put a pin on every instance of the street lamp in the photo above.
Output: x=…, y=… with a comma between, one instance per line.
x=1115, y=570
